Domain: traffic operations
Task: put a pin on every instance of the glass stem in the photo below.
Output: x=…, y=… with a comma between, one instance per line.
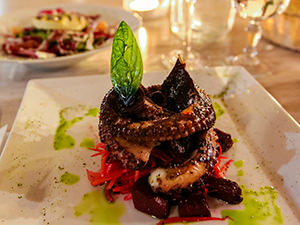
x=254, y=33
x=189, y=11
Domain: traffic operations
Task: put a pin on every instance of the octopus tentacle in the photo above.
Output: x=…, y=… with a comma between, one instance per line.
x=129, y=154
x=151, y=117
x=166, y=179
x=164, y=127
x=176, y=178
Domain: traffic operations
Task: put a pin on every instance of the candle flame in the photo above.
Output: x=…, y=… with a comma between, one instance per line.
x=141, y=5
x=143, y=39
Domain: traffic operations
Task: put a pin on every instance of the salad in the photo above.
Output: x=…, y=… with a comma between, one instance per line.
x=56, y=32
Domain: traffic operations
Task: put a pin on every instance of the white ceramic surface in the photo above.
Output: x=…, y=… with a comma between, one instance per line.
x=268, y=143
x=22, y=18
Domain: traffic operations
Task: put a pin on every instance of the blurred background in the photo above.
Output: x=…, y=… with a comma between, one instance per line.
x=212, y=32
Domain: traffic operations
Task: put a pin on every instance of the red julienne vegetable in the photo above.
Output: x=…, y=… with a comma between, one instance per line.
x=119, y=180
x=189, y=219
x=188, y=110
x=219, y=171
x=112, y=174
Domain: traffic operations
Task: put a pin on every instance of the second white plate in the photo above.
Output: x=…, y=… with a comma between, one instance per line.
x=22, y=18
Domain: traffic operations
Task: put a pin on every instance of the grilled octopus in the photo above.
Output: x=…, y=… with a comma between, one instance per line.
x=130, y=132
x=176, y=120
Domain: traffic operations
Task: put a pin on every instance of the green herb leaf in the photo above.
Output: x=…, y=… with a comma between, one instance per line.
x=43, y=34
x=81, y=46
x=126, y=63
x=35, y=32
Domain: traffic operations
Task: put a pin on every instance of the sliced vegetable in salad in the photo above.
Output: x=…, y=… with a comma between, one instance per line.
x=57, y=32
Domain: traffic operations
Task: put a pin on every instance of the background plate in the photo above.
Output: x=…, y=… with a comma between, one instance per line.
x=30, y=168
x=22, y=18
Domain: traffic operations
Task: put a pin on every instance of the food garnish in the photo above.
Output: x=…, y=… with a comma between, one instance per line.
x=159, y=145
x=126, y=63
x=56, y=32
x=58, y=19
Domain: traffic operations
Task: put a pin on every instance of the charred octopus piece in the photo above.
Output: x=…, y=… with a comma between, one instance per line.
x=171, y=125
x=145, y=123
x=176, y=177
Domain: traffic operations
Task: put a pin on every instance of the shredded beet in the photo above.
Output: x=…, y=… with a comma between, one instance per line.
x=117, y=179
x=219, y=171
x=189, y=219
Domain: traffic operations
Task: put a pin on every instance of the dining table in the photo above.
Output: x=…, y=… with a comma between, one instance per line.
x=282, y=82
x=54, y=170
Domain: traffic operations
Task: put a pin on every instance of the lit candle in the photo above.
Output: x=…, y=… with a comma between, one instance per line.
x=147, y=9
x=143, y=40
x=142, y=5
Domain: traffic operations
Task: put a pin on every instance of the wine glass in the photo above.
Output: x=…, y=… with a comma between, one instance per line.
x=192, y=59
x=255, y=11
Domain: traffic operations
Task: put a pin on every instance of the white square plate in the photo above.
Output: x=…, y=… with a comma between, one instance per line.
x=30, y=168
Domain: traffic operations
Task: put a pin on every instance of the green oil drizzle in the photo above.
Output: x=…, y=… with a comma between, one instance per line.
x=239, y=164
x=231, y=81
x=235, y=140
x=259, y=208
x=222, y=93
x=93, y=112
x=218, y=109
x=240, y=173
x=87, y=143
x=101, y=212
x=69, y=178
x=61, y=139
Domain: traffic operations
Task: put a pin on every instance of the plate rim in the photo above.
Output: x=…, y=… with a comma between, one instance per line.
x=238, y=68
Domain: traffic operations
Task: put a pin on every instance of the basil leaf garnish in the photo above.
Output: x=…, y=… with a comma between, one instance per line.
x=126, y=63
